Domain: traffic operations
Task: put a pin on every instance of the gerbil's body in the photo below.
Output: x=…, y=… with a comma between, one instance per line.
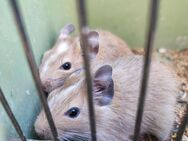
x=110, y=48
x=104, y=46
x=115, y=99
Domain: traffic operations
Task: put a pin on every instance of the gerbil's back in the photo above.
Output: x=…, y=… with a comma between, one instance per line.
x=160, y=100
x=129, y=71
x=111, y=46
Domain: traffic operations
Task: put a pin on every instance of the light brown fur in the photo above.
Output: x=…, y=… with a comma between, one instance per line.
x=115, y=121
x=110, y=47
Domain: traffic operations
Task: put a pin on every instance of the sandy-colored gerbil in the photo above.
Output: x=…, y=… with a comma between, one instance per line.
x=64, y=60
x=115, y=94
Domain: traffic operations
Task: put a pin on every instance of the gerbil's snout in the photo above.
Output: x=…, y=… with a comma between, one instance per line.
x=42, y=130
x=47, y=86
x=43, y=133
x=51, y=84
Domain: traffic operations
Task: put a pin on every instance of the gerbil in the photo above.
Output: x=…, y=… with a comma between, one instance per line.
x=115, y=95
x=64, y=60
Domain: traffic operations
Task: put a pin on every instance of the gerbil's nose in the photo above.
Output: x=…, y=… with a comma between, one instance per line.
x=46, y=86
x=42, y=133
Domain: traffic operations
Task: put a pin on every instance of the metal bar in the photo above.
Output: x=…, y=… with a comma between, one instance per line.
x=147, y=61
x=32, y=65
x=83, y=26
x=11, y=116
x=182, y=125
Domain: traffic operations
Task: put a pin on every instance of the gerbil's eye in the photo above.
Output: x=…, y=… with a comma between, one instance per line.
x=66, y=66
x=73, y=112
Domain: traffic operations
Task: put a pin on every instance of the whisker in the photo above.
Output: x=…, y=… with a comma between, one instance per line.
x=63, y=138
x=74, y=135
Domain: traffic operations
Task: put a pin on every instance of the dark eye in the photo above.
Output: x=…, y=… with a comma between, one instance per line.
x=73, y=112
x=66, y=66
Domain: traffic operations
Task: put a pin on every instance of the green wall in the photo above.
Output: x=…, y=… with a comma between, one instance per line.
x=44, y=19
x=127, y=18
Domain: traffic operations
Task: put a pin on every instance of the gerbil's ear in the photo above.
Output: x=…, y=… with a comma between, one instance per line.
x=93, y=44
x=67, y=30
x=103, y=86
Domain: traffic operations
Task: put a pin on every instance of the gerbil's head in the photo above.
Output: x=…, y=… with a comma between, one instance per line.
x=64, y=60
x=70, y=111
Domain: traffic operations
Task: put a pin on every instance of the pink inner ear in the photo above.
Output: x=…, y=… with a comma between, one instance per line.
x=67, y=30
x=98, y=86
x=93, y=44
x=104, y=73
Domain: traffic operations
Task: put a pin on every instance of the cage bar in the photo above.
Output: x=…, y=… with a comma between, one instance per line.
x=11, y=116
x=32, y=64
x=83, y=32
x=146, y=68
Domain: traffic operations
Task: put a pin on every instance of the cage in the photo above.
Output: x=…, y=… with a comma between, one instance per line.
x=43, y=19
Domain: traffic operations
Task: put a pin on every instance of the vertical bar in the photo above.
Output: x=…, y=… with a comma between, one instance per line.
x=83, y=26
x=182, y=125
x=11, y=116
x=32, y=65
x=147, y=61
